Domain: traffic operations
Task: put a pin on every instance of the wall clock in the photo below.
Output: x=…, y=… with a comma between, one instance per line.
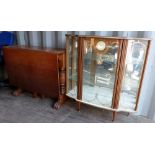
x=100, y=45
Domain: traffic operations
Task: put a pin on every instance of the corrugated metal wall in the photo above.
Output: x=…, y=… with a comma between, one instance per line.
x=51, y=39
x=56, y=39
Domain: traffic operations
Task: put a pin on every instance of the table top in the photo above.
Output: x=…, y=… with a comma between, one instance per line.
x=37, y=48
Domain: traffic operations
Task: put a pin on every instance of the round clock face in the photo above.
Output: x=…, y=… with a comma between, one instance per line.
x=100, y=45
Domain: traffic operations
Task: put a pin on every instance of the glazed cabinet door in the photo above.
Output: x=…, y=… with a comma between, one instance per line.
x=133, y=73
x=99, y=66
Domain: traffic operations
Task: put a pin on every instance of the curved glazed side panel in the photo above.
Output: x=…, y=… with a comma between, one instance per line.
x=71, y=66
x=133, y=74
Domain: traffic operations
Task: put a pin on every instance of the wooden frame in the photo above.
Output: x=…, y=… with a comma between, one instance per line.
x=142, y=76
x=120, y=71
x=80, y=73
x=116, y=73
x=67, y=40
x=119, y=78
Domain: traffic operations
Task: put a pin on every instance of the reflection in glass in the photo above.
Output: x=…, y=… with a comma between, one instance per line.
x=72, y=66
x=133, y=69
x=99, y=67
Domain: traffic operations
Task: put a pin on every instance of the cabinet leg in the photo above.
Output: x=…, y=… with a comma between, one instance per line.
x=78, y=105
x=114, y=113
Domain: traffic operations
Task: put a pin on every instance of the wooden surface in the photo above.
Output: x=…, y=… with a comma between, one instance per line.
x=37, y=49
x=116, y=73
x=34, y=69
x=80, y=68
x=120, y=74
x=67, y=63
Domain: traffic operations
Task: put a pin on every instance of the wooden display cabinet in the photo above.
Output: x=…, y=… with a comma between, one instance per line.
x=105, y=72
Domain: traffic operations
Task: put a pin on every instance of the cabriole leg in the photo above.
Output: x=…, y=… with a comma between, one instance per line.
x=60, y=102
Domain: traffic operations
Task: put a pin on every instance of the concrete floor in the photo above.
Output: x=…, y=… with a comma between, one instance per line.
x=25, y=109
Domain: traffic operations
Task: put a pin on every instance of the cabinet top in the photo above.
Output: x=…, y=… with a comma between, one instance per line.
x=106, y=37
x=36, y=48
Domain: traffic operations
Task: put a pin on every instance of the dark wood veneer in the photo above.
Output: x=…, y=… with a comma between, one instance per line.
x=37, y=70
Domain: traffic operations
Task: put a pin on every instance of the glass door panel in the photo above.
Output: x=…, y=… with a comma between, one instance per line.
x=71, y=54
x=99, y=66
x=135, y=57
